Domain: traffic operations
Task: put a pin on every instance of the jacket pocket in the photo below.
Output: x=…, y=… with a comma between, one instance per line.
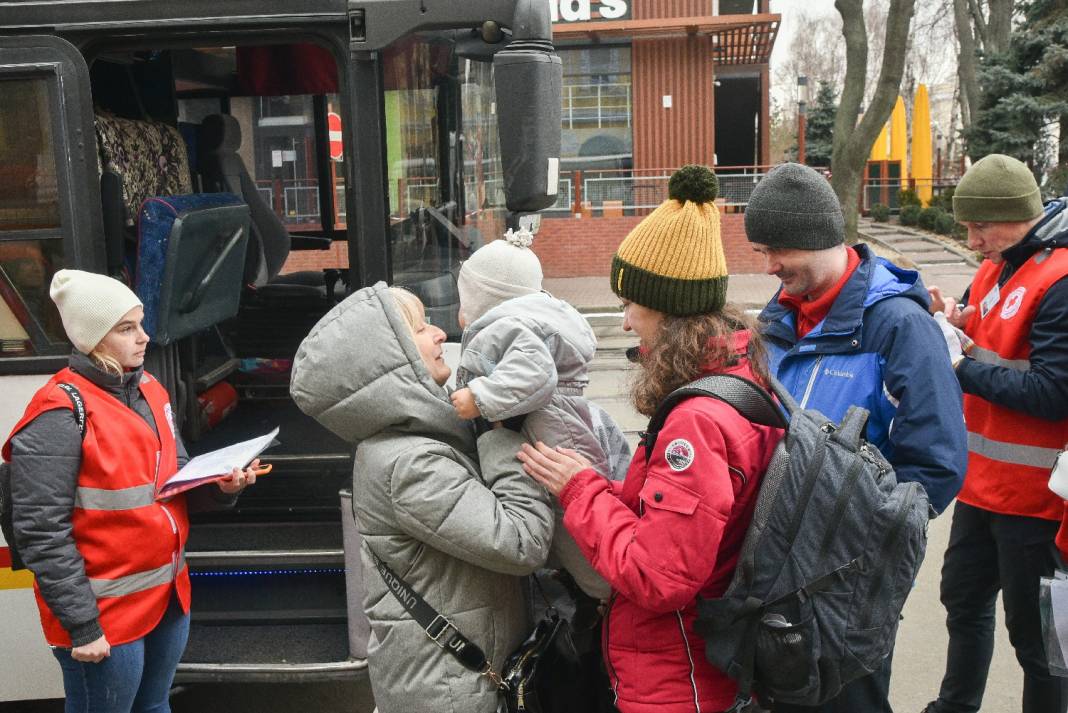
x=665, y=495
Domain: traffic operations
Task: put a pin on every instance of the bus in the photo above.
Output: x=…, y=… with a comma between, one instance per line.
x=244, y=165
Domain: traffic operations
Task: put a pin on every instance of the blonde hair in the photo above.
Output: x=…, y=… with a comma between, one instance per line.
x=411, y=307
x=105, y=362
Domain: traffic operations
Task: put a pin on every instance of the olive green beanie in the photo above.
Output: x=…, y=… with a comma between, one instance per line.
x=997, y=189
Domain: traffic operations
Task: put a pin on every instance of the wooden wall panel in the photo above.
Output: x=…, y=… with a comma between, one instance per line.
x=649, y=9
x=683, y=69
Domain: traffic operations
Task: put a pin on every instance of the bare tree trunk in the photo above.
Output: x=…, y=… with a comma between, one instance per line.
x=853, y=141
x=998, y=26
x=966, y=63
x=1062, y=144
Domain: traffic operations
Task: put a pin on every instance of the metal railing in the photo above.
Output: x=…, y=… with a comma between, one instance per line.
x=887, y=191
x=300, y=201
x=639, y=191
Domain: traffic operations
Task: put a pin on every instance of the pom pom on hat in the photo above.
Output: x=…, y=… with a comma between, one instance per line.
x=498, y=271
x=693, y=183
x=90, y=305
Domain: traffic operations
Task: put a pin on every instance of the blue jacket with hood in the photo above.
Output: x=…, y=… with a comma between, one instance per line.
x=879, y=348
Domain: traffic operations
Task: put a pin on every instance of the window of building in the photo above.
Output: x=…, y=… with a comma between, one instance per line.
x=738, y=7
x=31, y=244
x=598, y=106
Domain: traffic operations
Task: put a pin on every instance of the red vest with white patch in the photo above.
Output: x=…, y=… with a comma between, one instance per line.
x=1010, y=452
x=133, y=546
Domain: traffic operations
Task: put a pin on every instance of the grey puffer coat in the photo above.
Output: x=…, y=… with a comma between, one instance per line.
x=459, y=535
x=531, y=355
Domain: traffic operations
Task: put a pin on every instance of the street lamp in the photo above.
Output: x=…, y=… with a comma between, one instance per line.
x=802, y=103
x=938, y=154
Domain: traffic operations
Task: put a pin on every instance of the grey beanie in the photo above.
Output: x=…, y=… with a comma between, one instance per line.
x=794, y=207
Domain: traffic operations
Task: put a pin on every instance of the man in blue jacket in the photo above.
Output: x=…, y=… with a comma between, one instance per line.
x=847, y=328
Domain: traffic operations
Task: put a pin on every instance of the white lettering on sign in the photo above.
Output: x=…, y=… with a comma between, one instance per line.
x=582, y=10
x=613, y=9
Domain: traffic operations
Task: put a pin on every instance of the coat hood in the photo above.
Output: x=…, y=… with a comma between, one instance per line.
x=1050, y=232
x=359, y=373
x=570, y=337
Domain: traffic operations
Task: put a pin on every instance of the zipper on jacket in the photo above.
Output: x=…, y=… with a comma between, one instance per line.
x=811, y=381
x=689, y=657
x=607, y=652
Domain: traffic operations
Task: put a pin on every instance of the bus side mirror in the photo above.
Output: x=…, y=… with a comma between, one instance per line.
x=528, y=78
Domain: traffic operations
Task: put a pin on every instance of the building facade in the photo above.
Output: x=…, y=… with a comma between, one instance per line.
x=649, y=86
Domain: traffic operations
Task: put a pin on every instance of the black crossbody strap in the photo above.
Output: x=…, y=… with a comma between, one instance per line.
x=76, y=401
x=438, y=629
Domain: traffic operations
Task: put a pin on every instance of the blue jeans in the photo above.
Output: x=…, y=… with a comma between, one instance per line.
x=135, y=678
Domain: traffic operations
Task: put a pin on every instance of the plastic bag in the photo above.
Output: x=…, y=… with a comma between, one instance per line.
x=1053, y=608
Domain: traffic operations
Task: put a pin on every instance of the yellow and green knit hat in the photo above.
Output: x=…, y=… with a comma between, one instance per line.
x=673, y=260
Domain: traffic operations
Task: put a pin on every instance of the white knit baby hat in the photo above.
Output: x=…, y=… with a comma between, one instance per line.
x=90, y=305
x=499, y=271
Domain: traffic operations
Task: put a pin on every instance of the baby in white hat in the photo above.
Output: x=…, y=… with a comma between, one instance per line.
x=524, y=361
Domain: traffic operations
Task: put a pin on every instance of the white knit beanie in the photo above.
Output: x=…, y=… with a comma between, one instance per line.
x=90, y=305
x=496, y=272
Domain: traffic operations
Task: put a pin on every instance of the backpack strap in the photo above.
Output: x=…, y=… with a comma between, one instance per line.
x=76, y=400
x=748, y=398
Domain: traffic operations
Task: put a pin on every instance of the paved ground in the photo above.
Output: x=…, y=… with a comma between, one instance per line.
x=921, y=644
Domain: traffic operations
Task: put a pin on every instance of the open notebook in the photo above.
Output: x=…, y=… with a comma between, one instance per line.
x=215, y=465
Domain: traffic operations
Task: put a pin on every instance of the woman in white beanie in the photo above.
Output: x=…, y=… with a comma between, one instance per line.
x=86, y=459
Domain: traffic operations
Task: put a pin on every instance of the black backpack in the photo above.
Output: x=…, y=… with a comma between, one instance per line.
x=7, y=526
x=832, y=551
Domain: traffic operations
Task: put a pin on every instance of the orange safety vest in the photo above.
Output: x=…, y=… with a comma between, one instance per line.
x=1011, y=452
x=133, y=546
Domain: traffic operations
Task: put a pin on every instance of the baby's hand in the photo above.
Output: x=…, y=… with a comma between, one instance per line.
x=464, y=403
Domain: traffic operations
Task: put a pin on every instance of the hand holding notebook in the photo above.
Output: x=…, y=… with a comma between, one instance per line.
x=217, y=465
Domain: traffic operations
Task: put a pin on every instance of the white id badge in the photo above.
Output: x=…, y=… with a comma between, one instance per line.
x=1058, y=477
x=990, y=301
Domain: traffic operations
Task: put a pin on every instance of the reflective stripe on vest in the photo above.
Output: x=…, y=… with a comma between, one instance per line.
x=988, y=356
x=124, y=499
x=1012, y=450
x=139, y=581
x=1012, y=453
x=132, y=546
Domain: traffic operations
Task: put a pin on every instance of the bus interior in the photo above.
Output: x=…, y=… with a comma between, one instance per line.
x=223, y=202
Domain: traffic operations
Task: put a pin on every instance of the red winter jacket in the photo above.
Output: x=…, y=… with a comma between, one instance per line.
x=671, y=532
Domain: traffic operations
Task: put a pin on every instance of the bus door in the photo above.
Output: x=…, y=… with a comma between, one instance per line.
x=49, y=214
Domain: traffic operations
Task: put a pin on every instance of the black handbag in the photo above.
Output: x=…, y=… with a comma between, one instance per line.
x=539, y=674
x=535, y=677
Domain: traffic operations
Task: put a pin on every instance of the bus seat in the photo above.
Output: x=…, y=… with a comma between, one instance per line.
x=190, y=262
x=222, y=169
x=138, y=159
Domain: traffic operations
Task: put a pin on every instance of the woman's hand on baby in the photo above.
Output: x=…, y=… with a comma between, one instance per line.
x=552, y=467
x=463, y=401
x=239, y=479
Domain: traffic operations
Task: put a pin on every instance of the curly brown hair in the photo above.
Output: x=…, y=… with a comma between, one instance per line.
x=686, y=347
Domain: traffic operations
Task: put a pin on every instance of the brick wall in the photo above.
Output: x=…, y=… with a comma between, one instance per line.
x=336, y=256
x=568, y=247
x=580, y=247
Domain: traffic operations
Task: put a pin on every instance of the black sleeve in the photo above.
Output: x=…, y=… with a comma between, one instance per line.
x=1042, y=390
x=46, y=457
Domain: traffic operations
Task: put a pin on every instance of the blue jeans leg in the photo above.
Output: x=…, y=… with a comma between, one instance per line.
x=135, y=678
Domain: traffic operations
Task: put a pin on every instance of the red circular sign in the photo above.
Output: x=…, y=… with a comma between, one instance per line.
x=337, y=148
